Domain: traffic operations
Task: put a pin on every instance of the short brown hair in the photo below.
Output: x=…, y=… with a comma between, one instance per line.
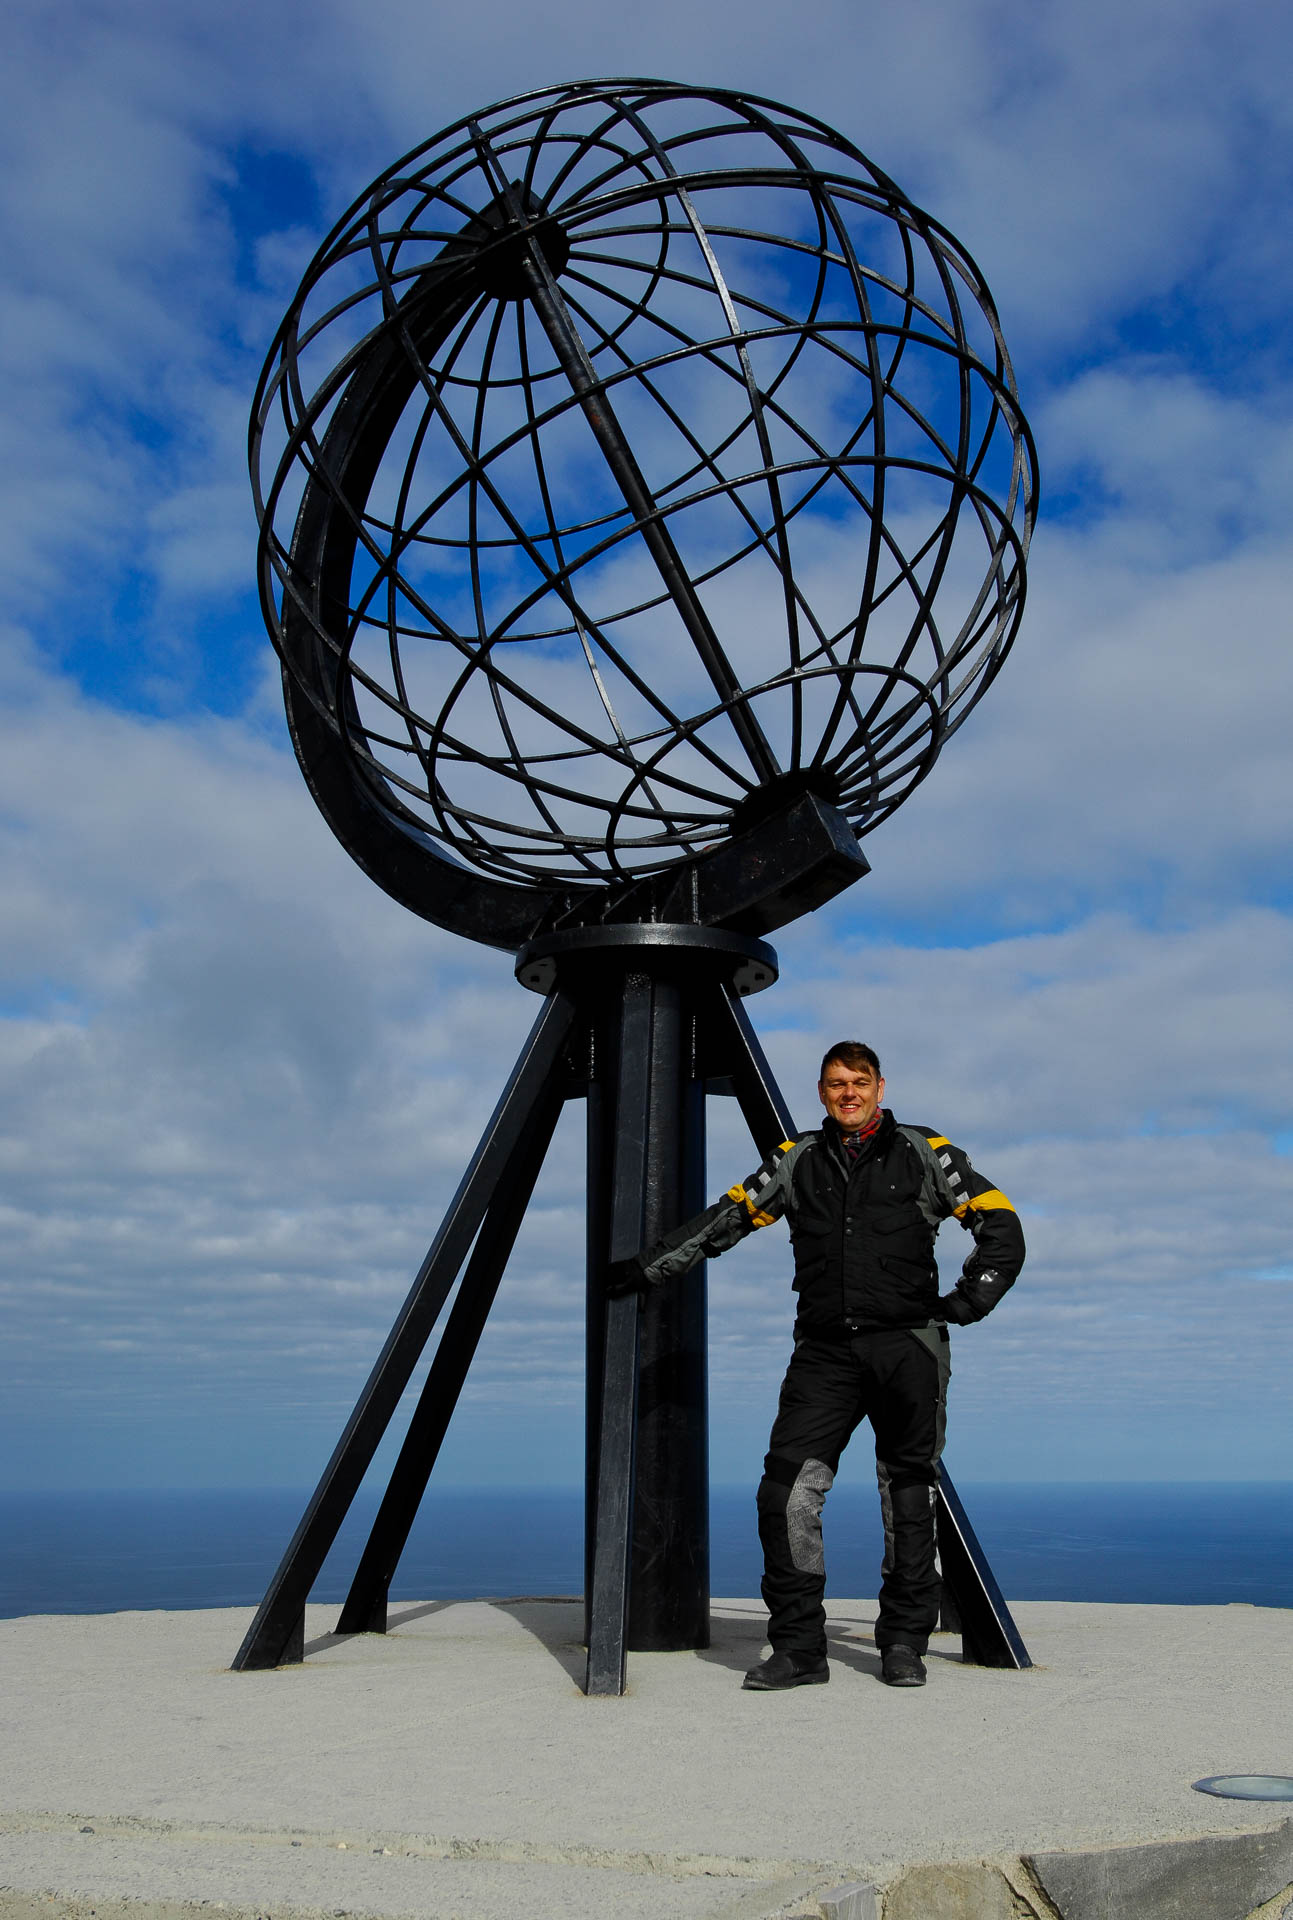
x=853, y=1054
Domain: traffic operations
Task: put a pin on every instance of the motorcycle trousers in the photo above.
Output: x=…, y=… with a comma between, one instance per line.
x=898, y=1380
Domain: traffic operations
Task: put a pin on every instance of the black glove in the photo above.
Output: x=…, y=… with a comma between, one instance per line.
x=975, y=1296
x=625, y=1276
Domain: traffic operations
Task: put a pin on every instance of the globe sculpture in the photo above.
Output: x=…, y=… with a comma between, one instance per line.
x=644, y=500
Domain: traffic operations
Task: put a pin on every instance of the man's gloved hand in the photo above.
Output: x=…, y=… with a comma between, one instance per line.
x=625, y=1276
x=976, y=1294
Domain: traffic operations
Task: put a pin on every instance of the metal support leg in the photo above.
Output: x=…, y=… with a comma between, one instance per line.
x=365, y=1608
x=608, y=1610
x=758, y=1095
x=275, y=1634
x=989, y=1636
x=613, y=1518
x=646, y=1173
x=669, y=1589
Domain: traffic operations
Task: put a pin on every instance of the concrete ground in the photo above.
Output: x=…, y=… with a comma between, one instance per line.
x=454, y=1767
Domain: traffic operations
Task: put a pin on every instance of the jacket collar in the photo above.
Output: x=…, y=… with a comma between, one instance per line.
x=879, y=1142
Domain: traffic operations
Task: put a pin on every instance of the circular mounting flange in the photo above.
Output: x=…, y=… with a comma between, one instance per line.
x=748, y=965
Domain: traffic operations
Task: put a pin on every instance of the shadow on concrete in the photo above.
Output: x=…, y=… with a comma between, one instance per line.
x=736, y=1643
x=422, y=1612
x=323, y=1641
x=857, y=1652
x=850, y=1647
x=556, y=1622
x=950, y=1653
x=739, y=1642
x=558, y=1626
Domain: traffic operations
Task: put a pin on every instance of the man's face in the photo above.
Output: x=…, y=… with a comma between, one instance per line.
x=850, y=1094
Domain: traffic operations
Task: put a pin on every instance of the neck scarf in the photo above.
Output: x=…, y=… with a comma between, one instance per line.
x=853, y=1141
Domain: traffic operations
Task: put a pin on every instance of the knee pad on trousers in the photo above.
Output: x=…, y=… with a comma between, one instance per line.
x=799, y=1499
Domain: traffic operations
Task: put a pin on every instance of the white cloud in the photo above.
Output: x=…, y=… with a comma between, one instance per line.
x=1179, y=472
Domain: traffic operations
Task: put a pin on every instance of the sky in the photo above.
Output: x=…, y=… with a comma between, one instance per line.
x=238, y=1084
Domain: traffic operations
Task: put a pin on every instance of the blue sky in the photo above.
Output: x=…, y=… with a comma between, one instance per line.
x=237, y=1083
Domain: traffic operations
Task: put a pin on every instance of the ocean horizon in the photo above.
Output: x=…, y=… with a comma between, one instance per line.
x=1168, y=1543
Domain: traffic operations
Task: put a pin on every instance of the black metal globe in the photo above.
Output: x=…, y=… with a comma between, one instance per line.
x=634, y=461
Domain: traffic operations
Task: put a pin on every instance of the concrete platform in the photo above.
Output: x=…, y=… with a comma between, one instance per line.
x=454, y=1768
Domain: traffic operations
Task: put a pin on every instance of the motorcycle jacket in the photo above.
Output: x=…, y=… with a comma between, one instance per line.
x=863, y=1229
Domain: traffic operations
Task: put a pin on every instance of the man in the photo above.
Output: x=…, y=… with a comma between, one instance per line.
x=864, y=1197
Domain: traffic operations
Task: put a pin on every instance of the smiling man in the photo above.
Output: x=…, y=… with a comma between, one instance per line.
x=864, y=1198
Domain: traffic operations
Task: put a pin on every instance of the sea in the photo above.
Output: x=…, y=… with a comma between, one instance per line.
x=1177, y=1544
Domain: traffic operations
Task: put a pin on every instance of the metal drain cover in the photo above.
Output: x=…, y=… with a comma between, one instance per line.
x=1247, y=1786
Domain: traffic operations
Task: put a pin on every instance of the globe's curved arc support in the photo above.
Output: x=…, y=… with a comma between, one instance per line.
x=753, y=883
x=400, y=856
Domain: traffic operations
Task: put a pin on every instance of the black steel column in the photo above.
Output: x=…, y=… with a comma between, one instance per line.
x=669, y=1594
x=618, y=1164
x=669, y=1578
x=600, y=1123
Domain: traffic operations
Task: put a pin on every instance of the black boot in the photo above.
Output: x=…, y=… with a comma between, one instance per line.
x=901, y=1667
x=787, y=1670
